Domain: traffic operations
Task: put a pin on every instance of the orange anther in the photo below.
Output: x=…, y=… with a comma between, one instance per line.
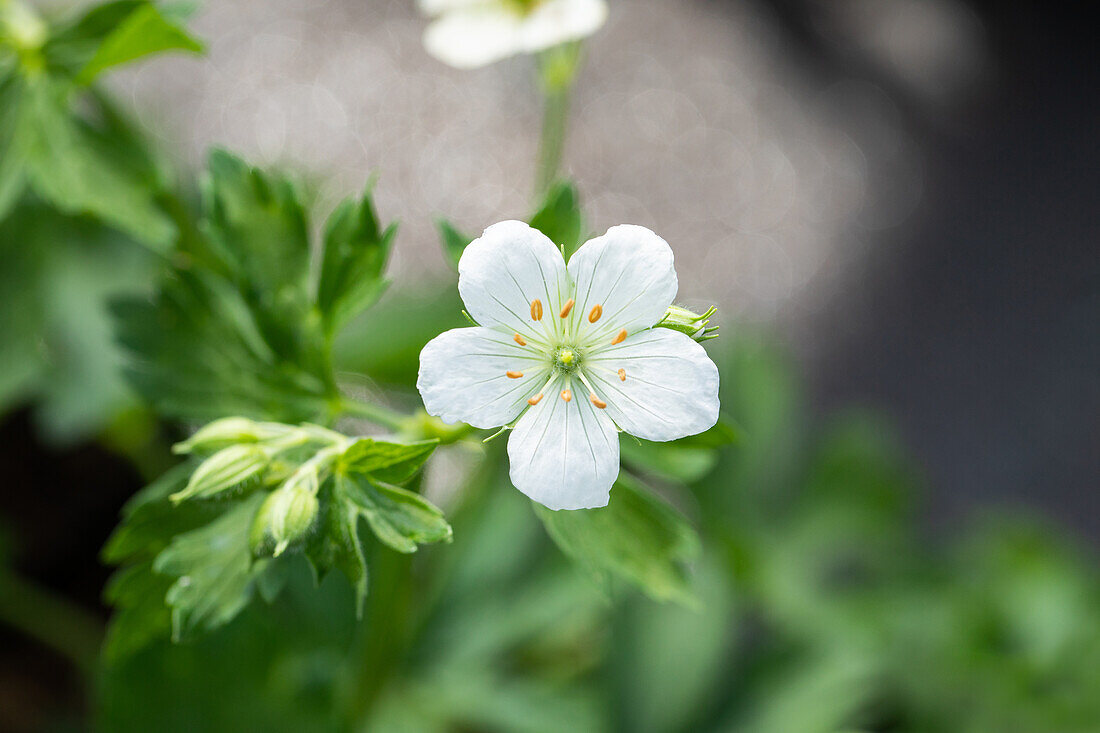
x=513, y=375
x=622, y=375
x=535, y=400
x=519, y=340
x=597, y=401
x=536, y=309
x=619, y=338
x=566, y=395
x=566, y=308
x=595, y=313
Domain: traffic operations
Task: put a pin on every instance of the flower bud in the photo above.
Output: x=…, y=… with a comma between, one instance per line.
x=694, y=325
x=226, y=469
x=22, y=25
x=229, y=431
x=285, y=517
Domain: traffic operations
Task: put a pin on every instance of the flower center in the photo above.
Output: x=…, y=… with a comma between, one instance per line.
x=522, y=7
x=566, y=359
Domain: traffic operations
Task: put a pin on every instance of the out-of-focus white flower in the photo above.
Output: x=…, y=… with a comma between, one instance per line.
x=570, y=355
x=467, y=34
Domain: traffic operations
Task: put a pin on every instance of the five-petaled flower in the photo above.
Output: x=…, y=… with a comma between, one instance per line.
x=569, y=356
x=467, y=34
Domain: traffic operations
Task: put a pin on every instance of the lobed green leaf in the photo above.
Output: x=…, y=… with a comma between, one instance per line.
x=637, y=537
x=354, y=257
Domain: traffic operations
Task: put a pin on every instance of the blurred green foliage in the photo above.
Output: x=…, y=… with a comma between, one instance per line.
x=820, y=607
x=79, y=190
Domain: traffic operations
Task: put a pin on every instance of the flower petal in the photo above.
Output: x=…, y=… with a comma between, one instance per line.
x=432, y=8
x=556, y=21
x=507, y=268
x=463, y=377
x=474, y=36
x=671, y=385
x=564, y=455
x=629, y=273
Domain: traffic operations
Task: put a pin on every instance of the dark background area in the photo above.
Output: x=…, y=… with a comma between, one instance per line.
x=977, y=335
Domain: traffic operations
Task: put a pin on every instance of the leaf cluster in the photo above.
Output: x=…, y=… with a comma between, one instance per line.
x=243, y=323
x=63, y=142
x=193, y=544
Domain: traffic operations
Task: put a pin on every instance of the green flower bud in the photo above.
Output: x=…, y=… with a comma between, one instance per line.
x=229, y=431
x=22, y=26
x=694, y=325
x=226, y=469
x=285, y=517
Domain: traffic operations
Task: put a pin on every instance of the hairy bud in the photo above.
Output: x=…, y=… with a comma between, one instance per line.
x=694, y=325
x=285, y=517
x=230, y=431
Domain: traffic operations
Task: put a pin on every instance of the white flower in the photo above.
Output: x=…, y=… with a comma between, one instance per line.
x=467, y=34
x=570, y=352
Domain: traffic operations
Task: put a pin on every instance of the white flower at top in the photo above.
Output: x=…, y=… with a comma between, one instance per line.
x=569, y=355
x=468, y=34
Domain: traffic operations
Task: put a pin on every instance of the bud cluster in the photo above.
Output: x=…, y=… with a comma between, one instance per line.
x=243, y=453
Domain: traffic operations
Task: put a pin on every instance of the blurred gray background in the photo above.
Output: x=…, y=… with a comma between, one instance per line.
x=903, y=190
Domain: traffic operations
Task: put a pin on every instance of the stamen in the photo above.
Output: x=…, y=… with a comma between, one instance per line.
x=519, y=340
x=536, y=309
x=622, y=375
x=595, y=313
x=566, y=395
x=513, y=375
x=620, y=338
x=535, y=400
x=597, y=401
x=566, y=308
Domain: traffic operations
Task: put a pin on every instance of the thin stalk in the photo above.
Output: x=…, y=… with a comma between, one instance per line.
x=557, y=69
x=552, y=142
x=375, y=413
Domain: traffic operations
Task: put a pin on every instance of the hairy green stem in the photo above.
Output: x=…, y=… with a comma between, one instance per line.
x=375, y=413
x=552, y=142
x=557, y=71
x=51, y=620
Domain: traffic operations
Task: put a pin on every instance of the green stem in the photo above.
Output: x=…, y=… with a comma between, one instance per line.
x=52, y=621
x=375, y=413
x=552, y=142
x=557, y=71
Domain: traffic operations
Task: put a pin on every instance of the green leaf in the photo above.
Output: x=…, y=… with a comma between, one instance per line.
x=197, y=353
x=392, y=463
x=336, y=544
x=11, y=162
x=145, y=31
x=141, y=615
x=137, y=594
x=257, y=231
x=58, y=349
x=63, y=165
x=454, y=241
x=215, y=572
x=668, y=460
x=399, y=518
x=687, y=459
x=559, y=217
x=150, y=520
x=637, y=537
x=354, y=258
